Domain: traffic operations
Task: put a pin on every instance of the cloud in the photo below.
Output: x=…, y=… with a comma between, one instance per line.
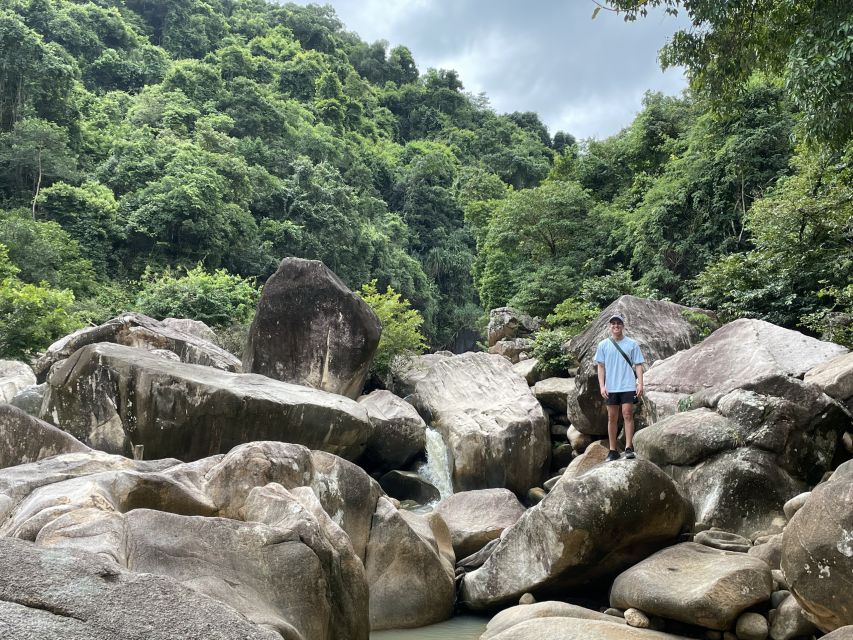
x=580, y=75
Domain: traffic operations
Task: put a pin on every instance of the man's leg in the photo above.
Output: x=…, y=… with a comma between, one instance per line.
x=613, y=425
x=628, y=417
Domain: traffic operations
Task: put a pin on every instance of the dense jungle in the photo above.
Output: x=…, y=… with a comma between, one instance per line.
x=164, y=157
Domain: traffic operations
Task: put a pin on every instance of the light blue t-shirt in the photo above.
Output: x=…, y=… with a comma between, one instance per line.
x=618, y=375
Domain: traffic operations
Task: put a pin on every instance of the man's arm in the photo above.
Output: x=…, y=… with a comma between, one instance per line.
x=638, y=368
x=601, y=386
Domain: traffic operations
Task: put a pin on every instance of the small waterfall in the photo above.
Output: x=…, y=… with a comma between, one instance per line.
x=436, y=469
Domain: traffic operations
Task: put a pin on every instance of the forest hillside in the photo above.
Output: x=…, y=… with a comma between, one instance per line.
x=164, y=157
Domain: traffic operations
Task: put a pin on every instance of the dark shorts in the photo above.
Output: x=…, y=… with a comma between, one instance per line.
x=620, y=397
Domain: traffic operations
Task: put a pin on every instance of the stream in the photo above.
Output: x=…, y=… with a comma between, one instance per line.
x=464, y=627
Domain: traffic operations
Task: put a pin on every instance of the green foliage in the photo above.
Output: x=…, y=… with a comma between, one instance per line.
x=216, y=298
x=600, y=291
x=552, y=360
x=809, y=43
x=45, y=252
x=835, y=324
x=536, y=241
x=701, y=322
x=572, y=316
x=802, y=258
x=31, y=316
x=401, y=336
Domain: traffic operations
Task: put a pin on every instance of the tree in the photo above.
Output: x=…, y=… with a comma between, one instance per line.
x=44, y=252
x=35, y=153
x=809, y=43
x=802, y=260
x=89, y=213
x=537, y=243
x=36, y=78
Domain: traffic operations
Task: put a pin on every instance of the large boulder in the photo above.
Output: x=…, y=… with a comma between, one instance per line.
x=505, y=323
x=476, y=517
x=263, y=529
x=563, y=628
x=399, y=432
x=695, y=584
x=410, y=569
x=513, y=350
x=587, y=529
x=553, y=392
x=139, y=331
x=24, y=438
x=548, y=609
x=493, y=426
x=58, y=594
x=742, y=458
x=835, y=377
x=113, y=397
x=660, y=328
x=310, y=329
x=195, y=328
x=14, y=377
x=817, y=552
x=735, y=355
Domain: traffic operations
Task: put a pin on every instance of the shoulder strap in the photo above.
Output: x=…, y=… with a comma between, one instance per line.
x=624, y=355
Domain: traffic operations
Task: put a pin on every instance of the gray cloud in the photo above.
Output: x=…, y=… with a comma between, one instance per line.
x=580, y=75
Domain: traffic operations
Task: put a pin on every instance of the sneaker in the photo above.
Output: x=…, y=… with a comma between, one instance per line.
x=629, y=453
x=613, y=455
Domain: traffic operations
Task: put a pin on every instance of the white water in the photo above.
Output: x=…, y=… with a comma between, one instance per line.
x=466, y=627
x=436, y=469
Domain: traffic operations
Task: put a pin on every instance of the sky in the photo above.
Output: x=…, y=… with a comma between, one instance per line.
x=583, y=76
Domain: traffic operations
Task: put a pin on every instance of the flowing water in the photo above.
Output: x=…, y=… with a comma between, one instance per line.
x=465, y=627
x=436, y=469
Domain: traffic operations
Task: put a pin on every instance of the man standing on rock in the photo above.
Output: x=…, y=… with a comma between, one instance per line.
x=620, y=379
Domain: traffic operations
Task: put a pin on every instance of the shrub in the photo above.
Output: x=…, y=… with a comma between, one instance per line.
x=401, y=336
x=548, y=351
x=218, y=299
x=31, y=316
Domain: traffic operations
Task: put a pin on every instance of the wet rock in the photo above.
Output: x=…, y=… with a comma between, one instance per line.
x=409, y=566
x=408, y=485
x=550, y=609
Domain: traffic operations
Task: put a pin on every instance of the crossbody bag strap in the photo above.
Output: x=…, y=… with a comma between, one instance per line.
x=624, y=355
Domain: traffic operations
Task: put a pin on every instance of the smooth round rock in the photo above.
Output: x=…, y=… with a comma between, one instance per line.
x=636, y=618
x=752, y=626
x=527, y=598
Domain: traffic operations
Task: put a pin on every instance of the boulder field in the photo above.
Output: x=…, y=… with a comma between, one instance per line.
x=149, y=472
